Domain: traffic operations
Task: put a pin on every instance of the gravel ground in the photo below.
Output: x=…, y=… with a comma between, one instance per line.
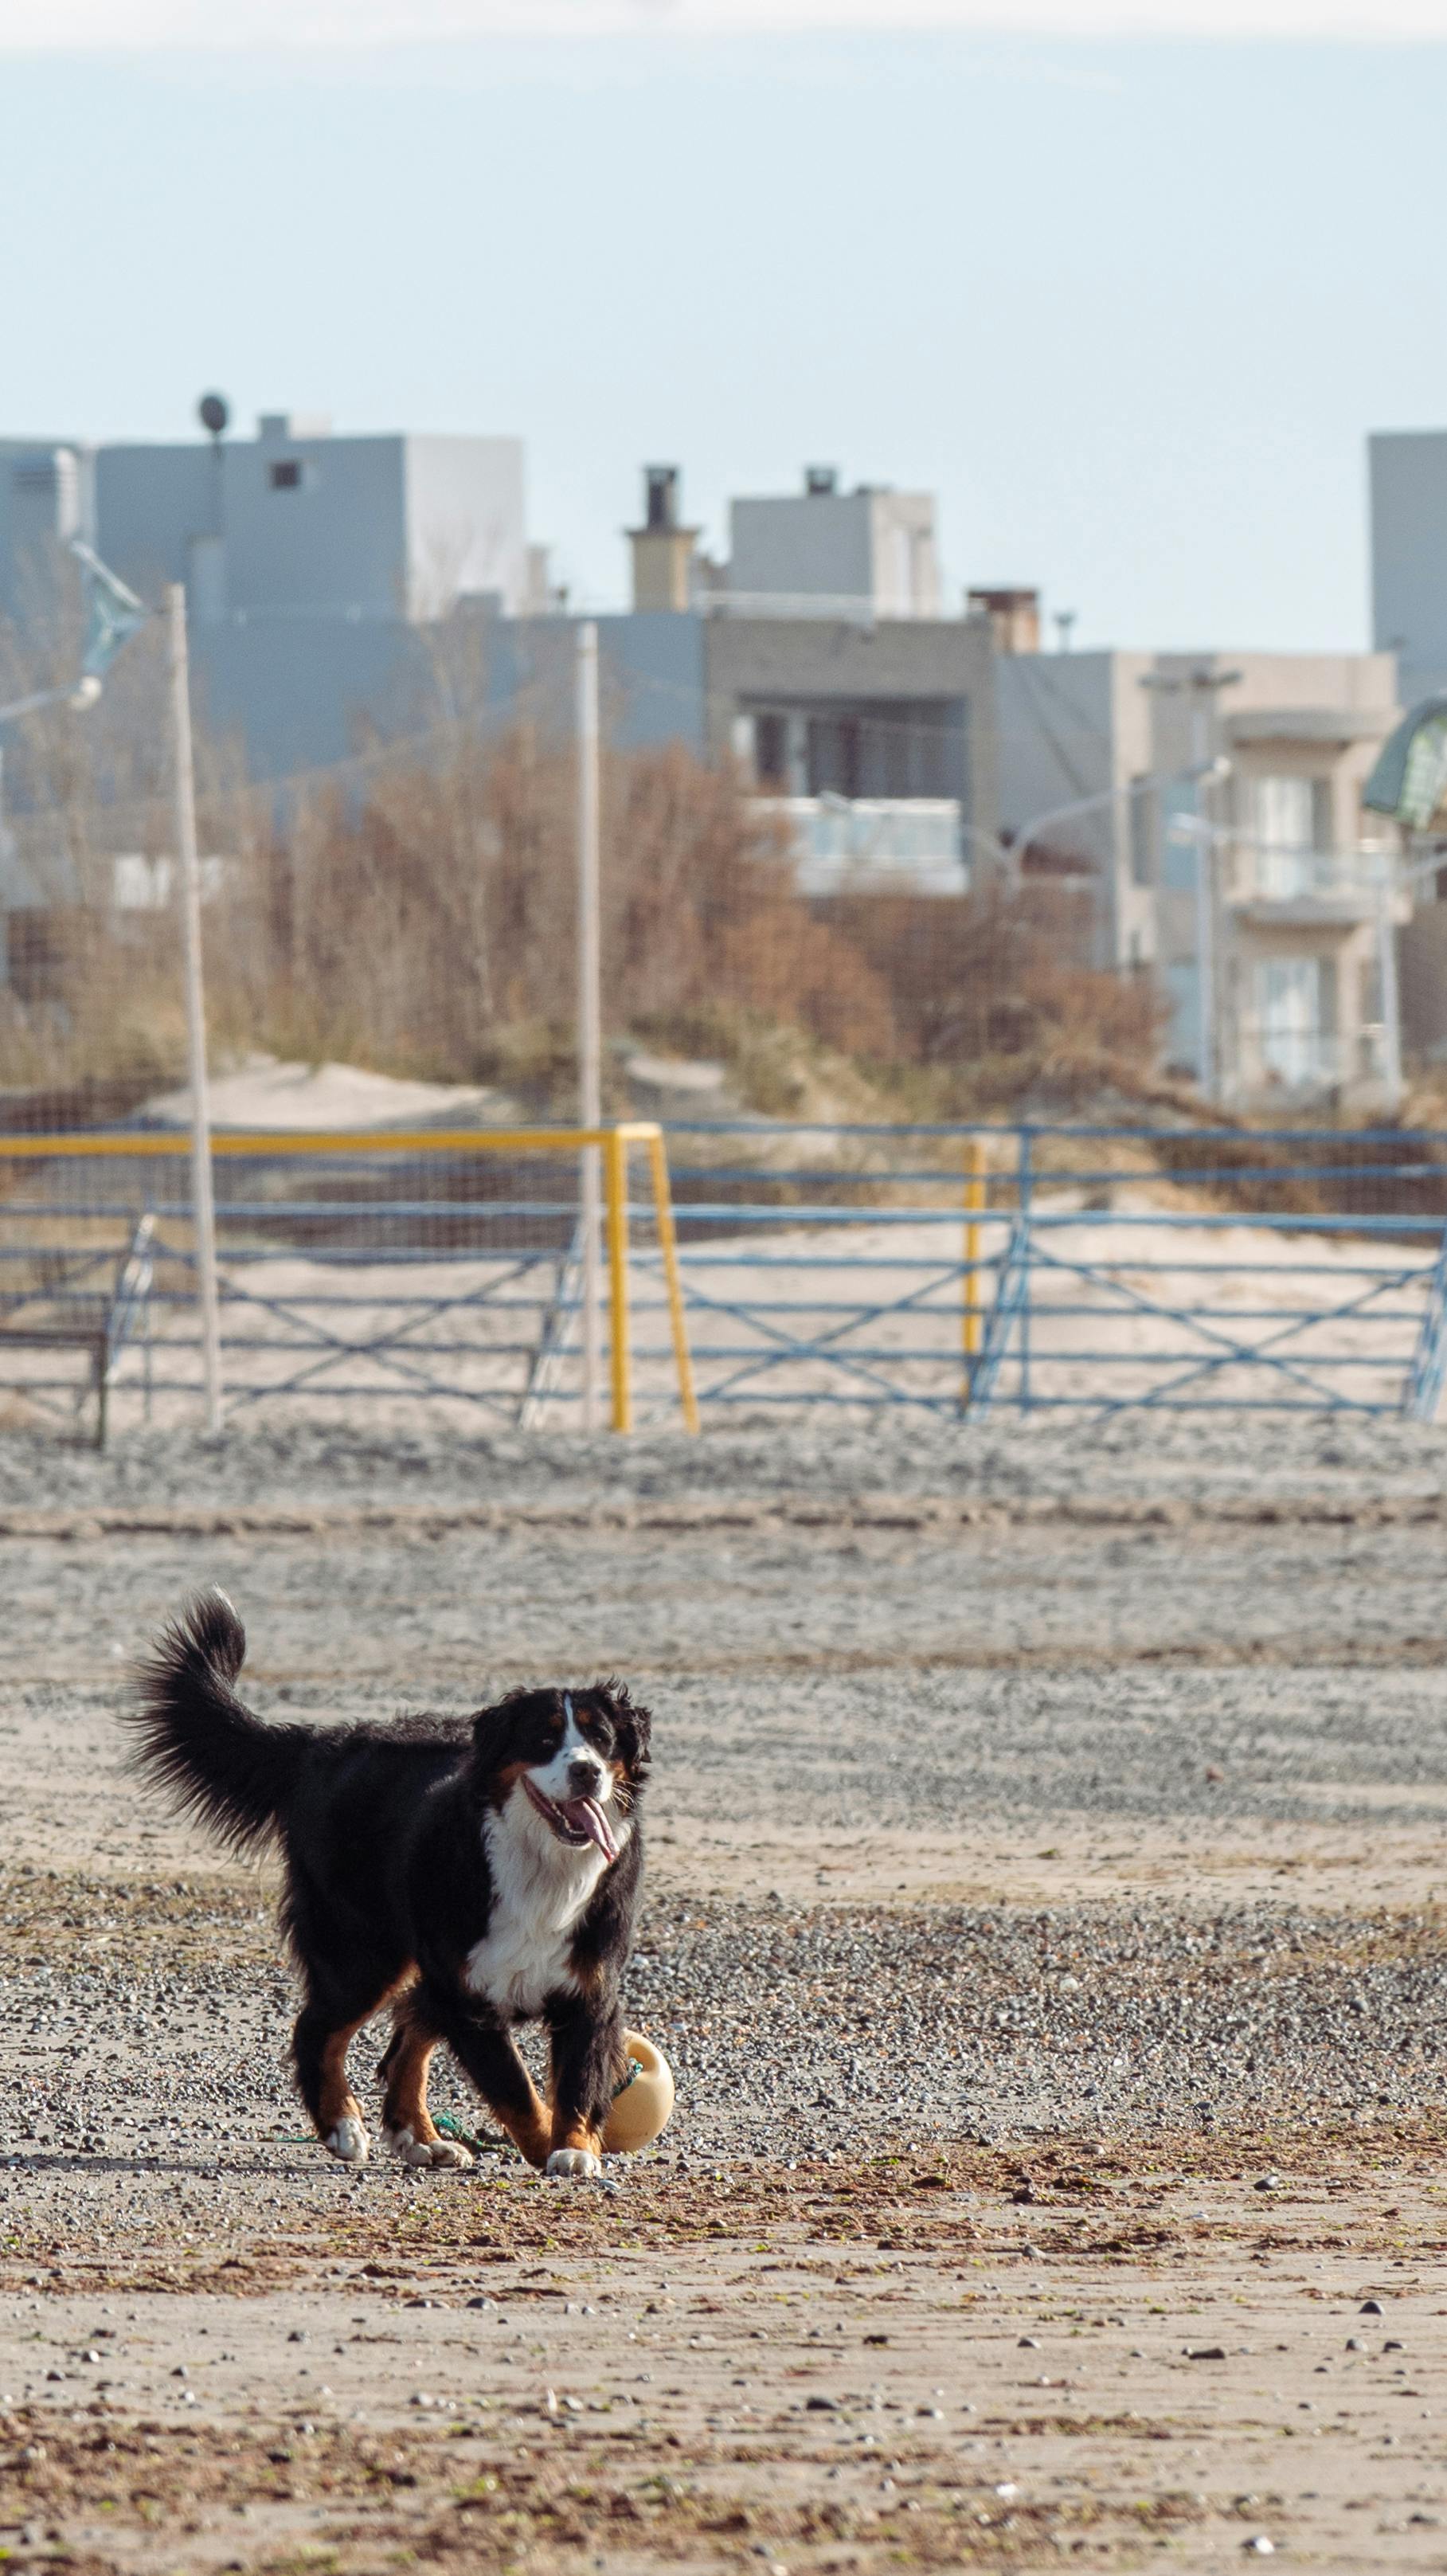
x=1195, y=1458
x=1028, y=1806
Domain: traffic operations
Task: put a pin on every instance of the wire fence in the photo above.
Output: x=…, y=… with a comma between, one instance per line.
x=379, y=1273
x=858, y=1267
x=1062, y=1267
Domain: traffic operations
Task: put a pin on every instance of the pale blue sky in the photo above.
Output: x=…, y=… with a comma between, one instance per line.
x=1129, y=307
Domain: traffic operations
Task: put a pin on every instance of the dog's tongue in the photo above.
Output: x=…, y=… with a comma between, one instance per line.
x=587, y=1817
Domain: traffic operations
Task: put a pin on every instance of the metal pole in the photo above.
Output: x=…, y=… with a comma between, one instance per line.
x=590, y=1018
x=1024, y=1191
x=1390, y=992
x=1205, y=901
x=672, y=1278
x=622, y=1349
x=203, y=1210
x=972, y=1313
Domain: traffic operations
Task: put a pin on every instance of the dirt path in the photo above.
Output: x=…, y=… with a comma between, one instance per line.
x=905, y=2362
x=1046, y=1926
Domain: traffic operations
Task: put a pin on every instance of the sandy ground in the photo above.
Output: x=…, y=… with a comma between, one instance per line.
x=1046, y=1925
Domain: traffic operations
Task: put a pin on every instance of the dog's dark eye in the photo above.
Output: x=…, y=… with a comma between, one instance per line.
x=593, y=1725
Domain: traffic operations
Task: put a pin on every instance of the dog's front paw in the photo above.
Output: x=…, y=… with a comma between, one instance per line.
x=442, y=2154
x=576, y=2161
x=349, y=2143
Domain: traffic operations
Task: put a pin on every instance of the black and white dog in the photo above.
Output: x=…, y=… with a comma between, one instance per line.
x=468, y=1872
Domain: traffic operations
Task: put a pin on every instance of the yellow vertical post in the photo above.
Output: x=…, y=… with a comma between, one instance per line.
x=971, y=1318
x=673, y=1282
x=620, y=1335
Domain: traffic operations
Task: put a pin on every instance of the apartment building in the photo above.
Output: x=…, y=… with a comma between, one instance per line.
x=864, y=717
x=1213, y=803
x=824, y=665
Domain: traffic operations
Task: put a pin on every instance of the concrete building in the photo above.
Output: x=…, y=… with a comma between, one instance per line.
x=1407, y=474
x=822, y=664
x=876, y=745
x=313, y=565
x=1097, y=755
x=869, y=553
x=298, y=523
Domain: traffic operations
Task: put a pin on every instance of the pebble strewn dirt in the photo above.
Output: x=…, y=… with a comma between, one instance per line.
x=1046, y=1925
x=1192, y=1457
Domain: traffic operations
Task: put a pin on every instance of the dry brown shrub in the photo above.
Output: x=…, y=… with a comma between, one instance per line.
x=430, y=923
x=419, y=917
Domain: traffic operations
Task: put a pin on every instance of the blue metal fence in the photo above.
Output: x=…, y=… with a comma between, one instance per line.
x=1287, y=1270
x=953, y=1269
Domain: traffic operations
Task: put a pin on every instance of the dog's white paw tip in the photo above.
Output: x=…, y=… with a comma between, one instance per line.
x=453, y=2158
x=426, y=2153
x=349, y=2143
x=576, y=2161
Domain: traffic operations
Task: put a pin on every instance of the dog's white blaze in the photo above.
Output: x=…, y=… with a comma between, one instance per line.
x=540, y=1888
x=554, y=1778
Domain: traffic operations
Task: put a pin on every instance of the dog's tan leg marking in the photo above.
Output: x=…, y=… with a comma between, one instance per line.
x=407, y=2123
x=575, y=2149
x=531, y=2131
x=343, y=2129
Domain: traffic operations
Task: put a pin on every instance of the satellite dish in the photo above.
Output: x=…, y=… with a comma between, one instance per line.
x=215, y=412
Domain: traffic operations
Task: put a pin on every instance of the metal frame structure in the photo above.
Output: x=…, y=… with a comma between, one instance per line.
x=953, y=1270
x=71, y=1309
x=1366, y=1330
x=310, y=1334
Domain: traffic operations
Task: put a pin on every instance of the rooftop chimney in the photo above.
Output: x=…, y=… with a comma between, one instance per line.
x=662, y=550
x=820, y=481
x=1014, y=617
x=660, y=495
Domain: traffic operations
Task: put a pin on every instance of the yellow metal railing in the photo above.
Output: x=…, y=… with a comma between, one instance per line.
x=972, y=1315
x=615, y=1144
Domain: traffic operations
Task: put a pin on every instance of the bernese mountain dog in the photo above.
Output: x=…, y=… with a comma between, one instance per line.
x=469, y=1873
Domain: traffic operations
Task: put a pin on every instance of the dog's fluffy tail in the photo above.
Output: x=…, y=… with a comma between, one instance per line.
x=194, y=1737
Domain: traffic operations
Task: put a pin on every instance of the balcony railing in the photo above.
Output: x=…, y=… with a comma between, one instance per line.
x=873, y=844
x=1252, y=871
x=1285, y=1056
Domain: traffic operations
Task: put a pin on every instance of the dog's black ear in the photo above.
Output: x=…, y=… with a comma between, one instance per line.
x=497, y=1732
x=632, y=1725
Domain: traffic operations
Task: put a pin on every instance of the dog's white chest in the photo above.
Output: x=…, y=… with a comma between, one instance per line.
x=539, y=1891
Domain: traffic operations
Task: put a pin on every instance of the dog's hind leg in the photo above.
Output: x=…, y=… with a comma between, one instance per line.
x=407, y=2124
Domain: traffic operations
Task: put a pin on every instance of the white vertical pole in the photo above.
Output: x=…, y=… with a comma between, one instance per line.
x=1205, y=897
x=189, y=871
x=1391, y=1000
x=590, y=1016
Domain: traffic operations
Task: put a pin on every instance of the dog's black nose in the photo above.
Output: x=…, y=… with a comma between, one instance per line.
x=586, y=1773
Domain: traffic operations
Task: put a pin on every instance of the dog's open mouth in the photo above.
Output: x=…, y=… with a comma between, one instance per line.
x=577, y=1821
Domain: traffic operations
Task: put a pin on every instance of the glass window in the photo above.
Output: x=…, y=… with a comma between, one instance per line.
x=1293, y=1014
x=1282, y=814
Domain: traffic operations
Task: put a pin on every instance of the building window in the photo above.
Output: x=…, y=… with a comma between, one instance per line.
x=1296, y=1019
x=286, y=474
x=1289, y=821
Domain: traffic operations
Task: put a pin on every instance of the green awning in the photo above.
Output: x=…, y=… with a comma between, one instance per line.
x=1409, y=781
